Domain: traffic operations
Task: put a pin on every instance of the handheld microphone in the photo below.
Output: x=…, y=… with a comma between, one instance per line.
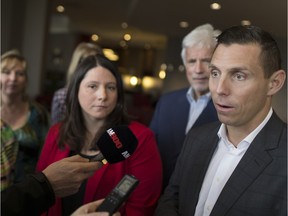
x=115, y=144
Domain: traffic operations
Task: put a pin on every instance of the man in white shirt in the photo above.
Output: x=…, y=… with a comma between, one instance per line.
x=238, y=166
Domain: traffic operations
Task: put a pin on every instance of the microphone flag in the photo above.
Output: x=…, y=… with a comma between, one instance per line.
x=117, y=143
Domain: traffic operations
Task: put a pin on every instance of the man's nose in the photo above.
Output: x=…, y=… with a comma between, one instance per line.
x=222, y=86
x=199, y=67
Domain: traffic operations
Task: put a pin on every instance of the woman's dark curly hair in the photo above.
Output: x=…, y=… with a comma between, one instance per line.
x=73, y=130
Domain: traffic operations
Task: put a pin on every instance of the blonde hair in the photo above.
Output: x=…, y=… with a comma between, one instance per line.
x=83, y=50
x=12, y=56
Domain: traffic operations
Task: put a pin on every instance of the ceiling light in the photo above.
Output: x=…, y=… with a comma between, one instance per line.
x=110, y=54
x=127, y=37
x=183, y=24
x=94, y=37
x=150, y=84
x=215, y=6
x=60, y=8
x=162, y=74
x=124, y=25
x=245, y=22
x=163, y=66
x=123, y=43
x=134, y=80
x=181, y=68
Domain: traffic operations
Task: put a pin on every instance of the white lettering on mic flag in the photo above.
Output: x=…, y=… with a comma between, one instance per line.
x=125, y=154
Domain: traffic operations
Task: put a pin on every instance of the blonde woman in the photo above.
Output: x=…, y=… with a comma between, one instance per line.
x=24, y=123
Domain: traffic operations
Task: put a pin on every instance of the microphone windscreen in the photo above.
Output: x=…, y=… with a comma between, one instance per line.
x=117, y=143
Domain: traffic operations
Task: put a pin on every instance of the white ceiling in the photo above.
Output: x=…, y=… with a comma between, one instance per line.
x=154, y=21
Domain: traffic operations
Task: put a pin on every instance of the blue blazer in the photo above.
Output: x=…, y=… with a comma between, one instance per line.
x=169, y=125
x=258, y=185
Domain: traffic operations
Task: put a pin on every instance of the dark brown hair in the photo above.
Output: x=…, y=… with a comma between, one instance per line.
x=270, y=56
x=72, y=129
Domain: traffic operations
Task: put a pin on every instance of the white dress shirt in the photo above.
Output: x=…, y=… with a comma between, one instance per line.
x=225, y=159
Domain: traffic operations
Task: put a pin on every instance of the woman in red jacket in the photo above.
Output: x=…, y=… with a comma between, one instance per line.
x=95, y=102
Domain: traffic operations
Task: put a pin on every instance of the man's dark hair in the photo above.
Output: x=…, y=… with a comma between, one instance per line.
x=270, y=56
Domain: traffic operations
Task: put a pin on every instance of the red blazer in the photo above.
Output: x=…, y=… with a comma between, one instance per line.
x=145, y=164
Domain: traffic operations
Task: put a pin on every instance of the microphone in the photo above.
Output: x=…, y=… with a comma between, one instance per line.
x=115, y=144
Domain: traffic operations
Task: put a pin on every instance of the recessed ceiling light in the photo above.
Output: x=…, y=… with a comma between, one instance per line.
x=181, y=68
x=94, y=37
x=245, y=22
x=163, y=66
x=60, y=8
x=183, y=24
x=110, y=54
x=123, y=43
x=124, y=25
x=127, y=37
x=215, y=6
x=162, y=74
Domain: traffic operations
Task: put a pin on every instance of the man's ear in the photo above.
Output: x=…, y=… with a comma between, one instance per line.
x=276, y=81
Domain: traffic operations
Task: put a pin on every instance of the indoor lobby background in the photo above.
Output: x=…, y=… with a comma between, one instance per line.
x=149, y=61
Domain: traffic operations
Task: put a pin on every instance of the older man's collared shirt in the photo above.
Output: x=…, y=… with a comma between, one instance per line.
x=196, y=107
x=224, y=161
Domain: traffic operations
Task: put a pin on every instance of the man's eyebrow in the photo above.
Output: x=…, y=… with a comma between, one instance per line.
x=191, y=60
x=211, y=66
x=206, y=59
x=240, y=69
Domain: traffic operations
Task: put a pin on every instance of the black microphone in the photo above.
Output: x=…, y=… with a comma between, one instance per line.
x=115, y=144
